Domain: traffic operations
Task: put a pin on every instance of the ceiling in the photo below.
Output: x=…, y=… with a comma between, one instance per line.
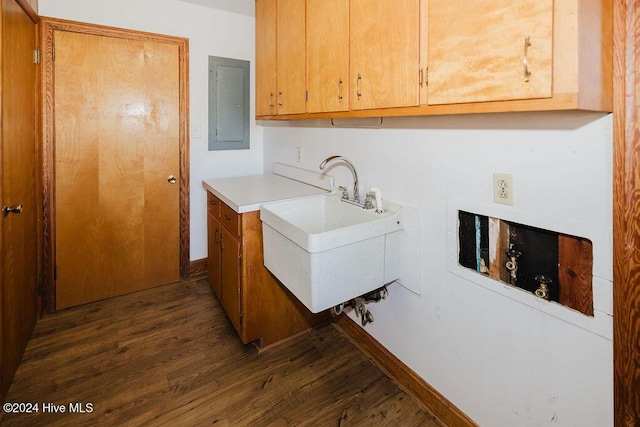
x=242, y=7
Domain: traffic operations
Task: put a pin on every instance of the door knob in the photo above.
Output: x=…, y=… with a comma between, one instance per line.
x=171, y=179
x=11, y=209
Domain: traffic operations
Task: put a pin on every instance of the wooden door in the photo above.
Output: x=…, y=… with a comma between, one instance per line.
x=230, y=278
x=489, y=41
x=116, y=151
x=384, y=53
x=327, y=55
x=290, y=54
x=214, y=254
x=265, y=57
x=18, y=188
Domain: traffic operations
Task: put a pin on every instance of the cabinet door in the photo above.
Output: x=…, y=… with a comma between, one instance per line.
x=484, y=51
x=384, y=53
x=265, y=57
x=424, y=45
x=327, y=55
x=213, y=260
x=230, y=283
x=290, y=54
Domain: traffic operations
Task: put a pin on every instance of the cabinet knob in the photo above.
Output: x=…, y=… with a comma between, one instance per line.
x=171, y=179
x=16, y=209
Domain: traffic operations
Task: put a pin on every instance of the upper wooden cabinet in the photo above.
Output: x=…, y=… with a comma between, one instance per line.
x=384, y=53
x=290, y=54
x=424, y=48
x=266, y=90
x=327, y=55
x=426, y=57
x=499, y=50
x=280, y=57
x=568, y=56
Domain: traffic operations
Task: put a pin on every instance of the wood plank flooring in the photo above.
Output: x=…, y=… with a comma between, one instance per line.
x=169, y=356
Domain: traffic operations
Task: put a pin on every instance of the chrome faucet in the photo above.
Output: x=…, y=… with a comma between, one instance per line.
x=356, y=194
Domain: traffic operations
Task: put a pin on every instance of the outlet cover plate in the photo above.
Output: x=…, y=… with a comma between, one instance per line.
x=503, y=188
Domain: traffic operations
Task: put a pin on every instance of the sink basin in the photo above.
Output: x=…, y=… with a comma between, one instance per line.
x=326, y=251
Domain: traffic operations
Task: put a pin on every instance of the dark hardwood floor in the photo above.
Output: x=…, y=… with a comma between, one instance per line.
x=169, y=356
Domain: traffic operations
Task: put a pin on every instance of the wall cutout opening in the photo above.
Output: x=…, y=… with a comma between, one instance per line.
x=550, y=265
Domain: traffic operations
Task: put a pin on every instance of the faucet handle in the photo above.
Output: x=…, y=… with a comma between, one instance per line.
x=345, y=192
x=378, y=196
x=368, y=200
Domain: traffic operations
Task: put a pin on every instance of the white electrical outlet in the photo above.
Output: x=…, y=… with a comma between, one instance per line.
x=503, y=188
x=299, y=154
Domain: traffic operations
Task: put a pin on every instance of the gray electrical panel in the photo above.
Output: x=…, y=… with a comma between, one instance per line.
x=228, y=104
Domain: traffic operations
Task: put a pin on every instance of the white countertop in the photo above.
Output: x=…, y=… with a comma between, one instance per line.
x=247, y=193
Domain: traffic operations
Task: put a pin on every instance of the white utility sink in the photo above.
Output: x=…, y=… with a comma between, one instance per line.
x=326, y=251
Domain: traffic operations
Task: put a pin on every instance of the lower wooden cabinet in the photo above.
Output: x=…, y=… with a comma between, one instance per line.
x=230, y=277
x=214, y=259
x=259, y=307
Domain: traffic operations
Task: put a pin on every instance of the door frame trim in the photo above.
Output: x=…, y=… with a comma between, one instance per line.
x=48, y=27
x=626, y=211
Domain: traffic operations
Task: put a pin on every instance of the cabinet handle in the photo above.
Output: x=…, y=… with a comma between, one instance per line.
x=271, y=100
x=527, y=73
x=340, y=90
x=279, y=99
x=216, y=237
x=227, y=217
x=221, y=242
x=424, y=76
x=358, y=94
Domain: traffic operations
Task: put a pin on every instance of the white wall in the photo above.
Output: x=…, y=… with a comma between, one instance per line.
x=502, y=362
x=210, y=32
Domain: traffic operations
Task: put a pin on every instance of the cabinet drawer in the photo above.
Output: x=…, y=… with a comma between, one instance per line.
x=213, y=205
x=230, y=219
